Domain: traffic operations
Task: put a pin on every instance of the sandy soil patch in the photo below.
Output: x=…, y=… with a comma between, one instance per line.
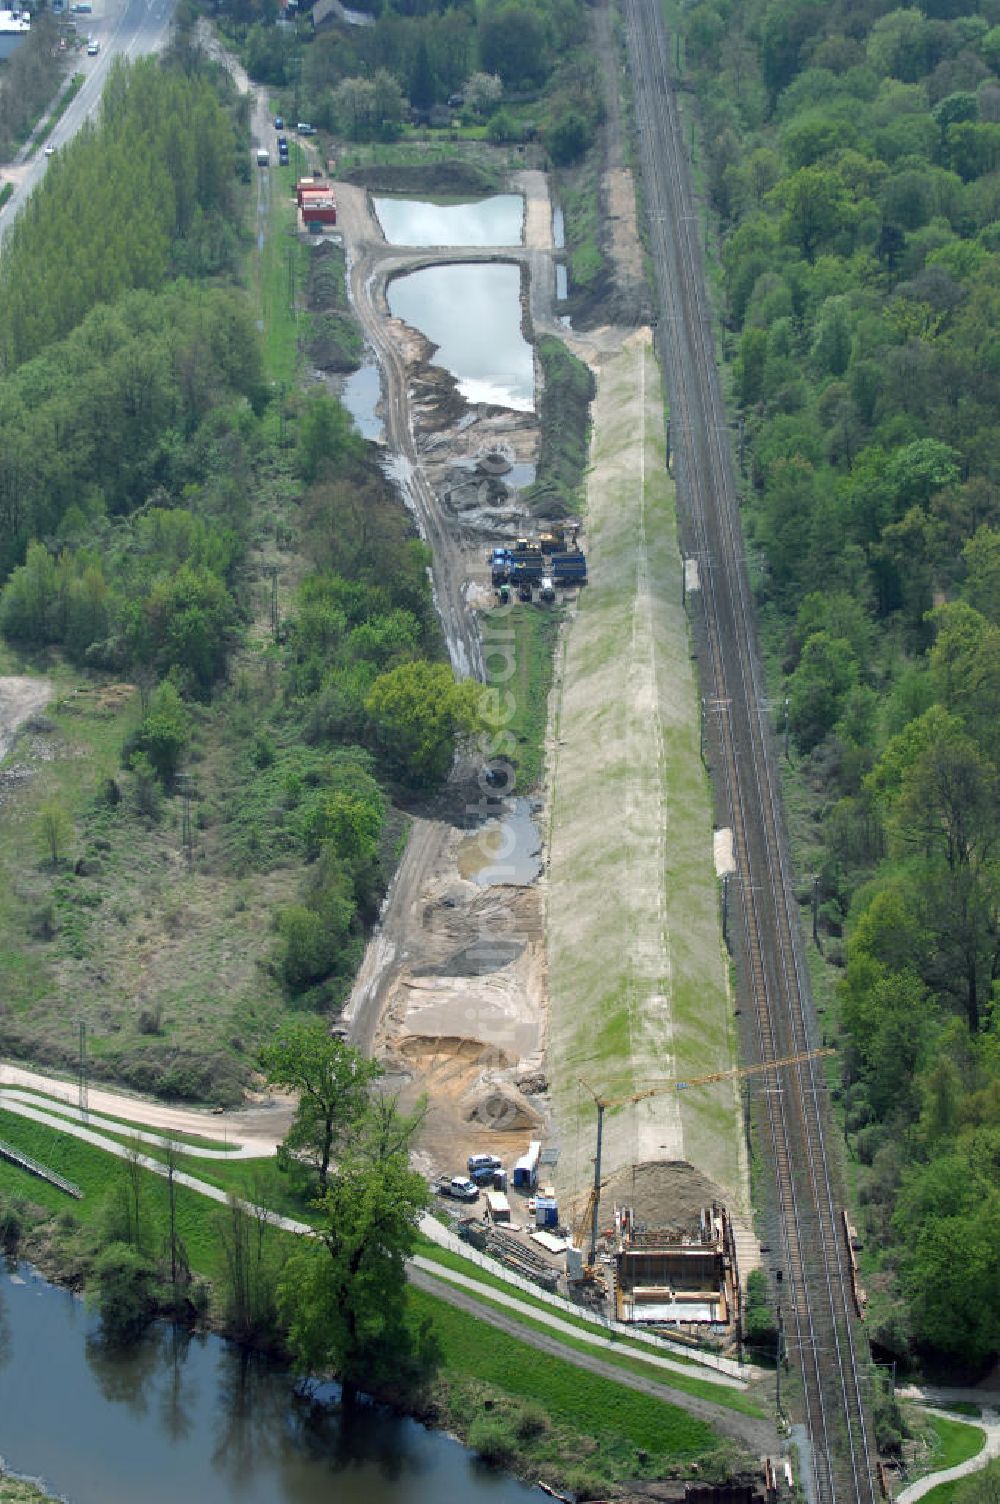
x=464, y=1017
x=624, y=244
x=537, y=208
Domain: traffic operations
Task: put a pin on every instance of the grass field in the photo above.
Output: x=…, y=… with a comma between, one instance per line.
x=277, y=271
x=159, y=959
x=96, y=1173
x=953, y=1442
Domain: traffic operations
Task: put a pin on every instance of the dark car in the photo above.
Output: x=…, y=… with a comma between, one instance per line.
x=282, y=143
x=279, y=124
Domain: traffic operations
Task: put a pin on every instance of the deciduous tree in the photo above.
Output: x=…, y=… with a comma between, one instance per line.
x=332, y=1081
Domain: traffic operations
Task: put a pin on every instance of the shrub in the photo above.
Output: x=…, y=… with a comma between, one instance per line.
x=490, y=1437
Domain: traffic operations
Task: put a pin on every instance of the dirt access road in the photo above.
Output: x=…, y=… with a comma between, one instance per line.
x=20, y=698
x=260, y=1126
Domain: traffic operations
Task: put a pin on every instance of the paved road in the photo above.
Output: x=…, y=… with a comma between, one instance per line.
x=130, y=29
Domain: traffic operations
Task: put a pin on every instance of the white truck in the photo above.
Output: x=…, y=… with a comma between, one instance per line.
x=457, y=1187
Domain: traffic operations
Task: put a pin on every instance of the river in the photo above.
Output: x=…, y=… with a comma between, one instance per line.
x=194, y=1418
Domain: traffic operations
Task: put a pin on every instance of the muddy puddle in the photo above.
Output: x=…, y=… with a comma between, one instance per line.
x=505, y=850
x=471, y=313
x=361, y=394
x=488, y=221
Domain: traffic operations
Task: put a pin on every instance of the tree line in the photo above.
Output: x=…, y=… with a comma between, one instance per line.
x=851, y=157
x=28, y=80
x=145, y=193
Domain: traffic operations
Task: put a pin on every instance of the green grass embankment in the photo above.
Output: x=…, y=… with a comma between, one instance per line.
x=629, y=1359
x=567, y=392
x=524, y=694
x=96, y=1173
x=593, y=1431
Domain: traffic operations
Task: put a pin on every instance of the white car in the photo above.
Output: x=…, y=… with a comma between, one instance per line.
x=93, y=48
x=50, y=151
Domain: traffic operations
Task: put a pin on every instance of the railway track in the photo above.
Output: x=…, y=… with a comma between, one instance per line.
x=823, y=1339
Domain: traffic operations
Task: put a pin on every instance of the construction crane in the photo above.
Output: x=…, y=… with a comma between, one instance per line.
x=658, y=1089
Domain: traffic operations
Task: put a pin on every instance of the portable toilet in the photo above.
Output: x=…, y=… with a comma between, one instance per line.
x=526, y=1169
x=546, y=1212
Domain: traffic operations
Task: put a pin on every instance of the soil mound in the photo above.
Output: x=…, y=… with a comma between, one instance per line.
x=501, y=1107
x=670, y=1193
x=420, y=177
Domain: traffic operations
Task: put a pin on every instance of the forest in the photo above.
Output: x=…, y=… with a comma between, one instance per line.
x=850, y=153
x=494, y=62
x=145, y=459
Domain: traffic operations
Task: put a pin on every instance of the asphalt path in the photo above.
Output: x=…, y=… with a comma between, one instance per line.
x=131, y=28
x=989, y=1423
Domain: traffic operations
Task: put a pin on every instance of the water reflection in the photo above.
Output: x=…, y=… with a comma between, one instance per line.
x=361, y=396
x=488, y=221
x=190, y=1418
x=471, y=313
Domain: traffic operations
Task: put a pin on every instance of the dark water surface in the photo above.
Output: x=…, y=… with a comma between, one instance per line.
x=193, y=1420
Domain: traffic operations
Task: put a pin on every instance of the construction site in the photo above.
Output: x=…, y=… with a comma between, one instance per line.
x=515, y=1004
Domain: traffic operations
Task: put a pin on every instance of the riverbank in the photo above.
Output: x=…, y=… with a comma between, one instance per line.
x=14, y=1490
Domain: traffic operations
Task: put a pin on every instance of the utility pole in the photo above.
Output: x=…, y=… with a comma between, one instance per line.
x=787, y=728
x=83, y=1068
x=701, y=732
x=595, y=1213
x=187, y=838
x=815, y=909
x=275, y=621
x=781, y=1354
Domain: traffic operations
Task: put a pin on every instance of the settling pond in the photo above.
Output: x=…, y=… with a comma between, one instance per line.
x=471, y=313
x=195, y=1418
x=485, y=221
